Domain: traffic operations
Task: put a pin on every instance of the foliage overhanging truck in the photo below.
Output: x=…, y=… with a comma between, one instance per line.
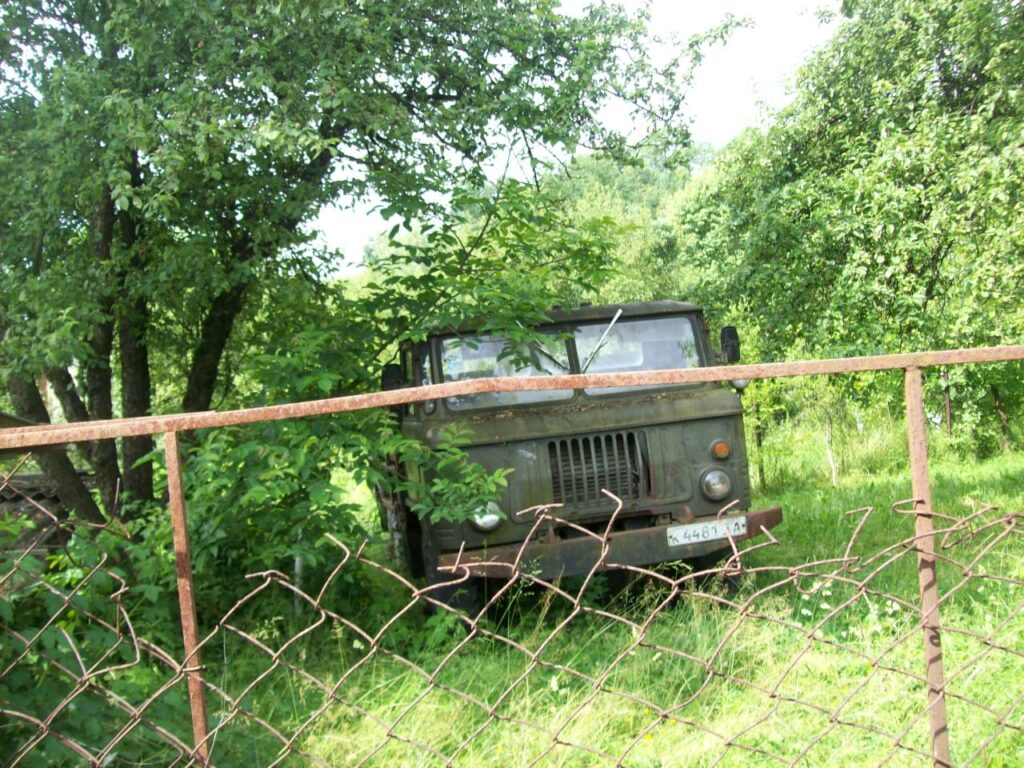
x=674, y=455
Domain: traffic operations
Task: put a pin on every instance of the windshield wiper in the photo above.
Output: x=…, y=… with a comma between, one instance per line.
x=600, y=342
x=536, y=347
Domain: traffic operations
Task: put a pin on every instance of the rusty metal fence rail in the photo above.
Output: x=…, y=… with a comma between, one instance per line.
x=729, y=665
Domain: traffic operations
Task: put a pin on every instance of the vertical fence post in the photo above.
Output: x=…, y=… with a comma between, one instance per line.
x=926, y=571
x=186, y=599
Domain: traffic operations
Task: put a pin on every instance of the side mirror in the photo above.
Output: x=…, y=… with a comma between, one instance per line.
x=391, y=377
x=730, y=344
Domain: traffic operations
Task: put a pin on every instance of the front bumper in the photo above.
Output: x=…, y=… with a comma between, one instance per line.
x=549, y=557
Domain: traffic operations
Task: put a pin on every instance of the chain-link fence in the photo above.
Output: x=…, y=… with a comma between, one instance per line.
x=800, y=645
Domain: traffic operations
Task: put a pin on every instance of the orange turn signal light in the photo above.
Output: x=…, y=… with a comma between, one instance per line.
x=721, y=449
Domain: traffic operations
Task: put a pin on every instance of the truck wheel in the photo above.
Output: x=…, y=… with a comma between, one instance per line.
x=465, y=596
x=710, y=561
x=618, y=581
x=414, y=544
x=406, y=533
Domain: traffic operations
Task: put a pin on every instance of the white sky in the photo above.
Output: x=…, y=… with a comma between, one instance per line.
x=738, y=85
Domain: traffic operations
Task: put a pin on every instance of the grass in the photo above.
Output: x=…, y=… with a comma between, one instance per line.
x=816, y=665
x=796, y=674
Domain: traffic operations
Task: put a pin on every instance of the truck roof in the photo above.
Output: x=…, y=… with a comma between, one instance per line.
x=9, y=421
x=634, y=309
x=587, y=312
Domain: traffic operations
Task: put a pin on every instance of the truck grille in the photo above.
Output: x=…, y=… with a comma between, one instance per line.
x=581, y=467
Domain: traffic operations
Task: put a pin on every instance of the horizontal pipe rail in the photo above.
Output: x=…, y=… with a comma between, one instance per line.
x=53, y=434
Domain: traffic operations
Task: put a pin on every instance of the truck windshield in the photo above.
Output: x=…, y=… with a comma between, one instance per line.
x=488, y=355
x=644, y=344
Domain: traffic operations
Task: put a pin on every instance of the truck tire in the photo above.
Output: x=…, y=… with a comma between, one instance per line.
x=466, y=596
x=405, y=531
x=710, y=561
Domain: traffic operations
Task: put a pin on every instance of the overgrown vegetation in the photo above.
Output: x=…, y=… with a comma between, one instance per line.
x=374, y=690
x=756, y=656
x=160, y=164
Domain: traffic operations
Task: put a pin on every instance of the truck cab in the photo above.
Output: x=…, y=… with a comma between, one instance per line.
x=665, y=461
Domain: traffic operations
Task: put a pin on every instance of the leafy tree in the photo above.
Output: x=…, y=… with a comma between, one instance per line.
x=881, y=210
x=638, y=197
x=160, y=161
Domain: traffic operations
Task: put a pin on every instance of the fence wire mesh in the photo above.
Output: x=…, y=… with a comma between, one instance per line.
x=798, y=647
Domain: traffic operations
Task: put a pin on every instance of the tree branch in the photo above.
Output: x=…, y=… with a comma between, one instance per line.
x=71, y=491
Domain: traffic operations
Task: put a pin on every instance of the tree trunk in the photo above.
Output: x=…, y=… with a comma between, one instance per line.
x=136, y=386
x=216, y=330
x=55, y=463
x=833, y=463
x=759, y=442
x=101, y=454
x=226, y=306
x=67, y=395
x=1004, y=422
x=97, y=370
x=947, y=403
x=100, y=406
x=136, y=400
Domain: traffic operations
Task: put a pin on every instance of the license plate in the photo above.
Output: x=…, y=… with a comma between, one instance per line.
x=712, y=530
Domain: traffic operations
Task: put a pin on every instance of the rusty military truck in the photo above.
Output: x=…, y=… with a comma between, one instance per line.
x=675, y=456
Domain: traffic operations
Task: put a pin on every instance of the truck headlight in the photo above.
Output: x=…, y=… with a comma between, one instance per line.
x=488, y=518
x=715, y=484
